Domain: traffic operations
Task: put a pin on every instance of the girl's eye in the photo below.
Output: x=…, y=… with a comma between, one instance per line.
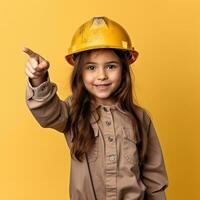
x=110, y=66
x=91, y=67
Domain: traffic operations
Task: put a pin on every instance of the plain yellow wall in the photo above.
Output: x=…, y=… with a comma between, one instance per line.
x=35, y=161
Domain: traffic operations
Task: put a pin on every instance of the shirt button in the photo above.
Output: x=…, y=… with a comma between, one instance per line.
x=112, y=157
x=110, y=139
x=43, y=88
x=108, y=123
x=105, y=109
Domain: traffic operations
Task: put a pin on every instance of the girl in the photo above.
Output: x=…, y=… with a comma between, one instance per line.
x=116, y=154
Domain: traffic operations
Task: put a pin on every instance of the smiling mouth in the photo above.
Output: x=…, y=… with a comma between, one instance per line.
x=102, y=86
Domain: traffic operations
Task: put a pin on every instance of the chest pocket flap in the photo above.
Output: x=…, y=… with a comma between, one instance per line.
x=130, y=141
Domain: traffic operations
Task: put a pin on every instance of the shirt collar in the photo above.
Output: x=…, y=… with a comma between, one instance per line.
x=115, y=106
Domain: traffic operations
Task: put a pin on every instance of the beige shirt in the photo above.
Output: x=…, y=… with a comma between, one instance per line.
x=111, y=171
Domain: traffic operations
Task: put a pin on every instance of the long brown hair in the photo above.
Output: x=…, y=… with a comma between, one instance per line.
x=79, y=118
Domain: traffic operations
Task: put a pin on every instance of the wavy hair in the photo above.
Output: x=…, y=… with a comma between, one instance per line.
x=80, y=111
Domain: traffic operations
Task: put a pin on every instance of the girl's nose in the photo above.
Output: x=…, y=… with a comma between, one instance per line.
x=102, y=75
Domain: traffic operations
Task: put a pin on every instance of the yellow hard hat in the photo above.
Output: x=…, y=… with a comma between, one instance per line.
x=100, y=32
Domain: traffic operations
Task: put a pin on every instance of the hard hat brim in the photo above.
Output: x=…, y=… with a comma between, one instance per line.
x=134, y=54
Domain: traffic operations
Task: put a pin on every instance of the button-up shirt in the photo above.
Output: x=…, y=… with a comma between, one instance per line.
x=111, y=171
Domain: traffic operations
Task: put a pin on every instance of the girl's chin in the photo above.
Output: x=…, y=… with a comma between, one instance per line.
x=102, y=97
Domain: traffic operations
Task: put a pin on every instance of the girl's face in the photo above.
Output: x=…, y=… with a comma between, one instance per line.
x=102, y=74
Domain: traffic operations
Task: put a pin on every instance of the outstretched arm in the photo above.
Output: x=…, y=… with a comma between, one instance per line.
x=41, y=97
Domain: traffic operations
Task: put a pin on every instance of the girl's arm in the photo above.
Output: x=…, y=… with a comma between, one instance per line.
x=45, y=105
x=154, y=174
x=41, y=97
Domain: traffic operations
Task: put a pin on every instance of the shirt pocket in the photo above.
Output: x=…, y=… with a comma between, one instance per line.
x=93, y=154
x=130, y=151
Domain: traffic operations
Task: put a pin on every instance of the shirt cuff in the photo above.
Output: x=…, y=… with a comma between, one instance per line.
x=39, y=93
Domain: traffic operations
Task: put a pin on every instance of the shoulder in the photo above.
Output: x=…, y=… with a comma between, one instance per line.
x=68, y=100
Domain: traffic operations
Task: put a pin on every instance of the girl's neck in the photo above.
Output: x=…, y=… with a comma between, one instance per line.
x=105, y=102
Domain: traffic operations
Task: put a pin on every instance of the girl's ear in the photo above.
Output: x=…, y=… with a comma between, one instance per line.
x=133, y=56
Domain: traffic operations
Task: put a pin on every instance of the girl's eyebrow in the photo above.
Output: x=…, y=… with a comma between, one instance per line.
x=105, y=62
x=112, y=62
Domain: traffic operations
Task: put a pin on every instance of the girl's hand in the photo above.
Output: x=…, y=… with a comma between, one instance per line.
x=36, y=67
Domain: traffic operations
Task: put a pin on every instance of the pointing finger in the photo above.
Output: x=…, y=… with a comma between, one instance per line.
x=30, y=52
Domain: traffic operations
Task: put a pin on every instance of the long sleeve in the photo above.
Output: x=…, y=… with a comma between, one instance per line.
x=154, y=174
x=46, y=107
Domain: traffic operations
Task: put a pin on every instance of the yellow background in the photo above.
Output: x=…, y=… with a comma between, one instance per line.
x=34, y=161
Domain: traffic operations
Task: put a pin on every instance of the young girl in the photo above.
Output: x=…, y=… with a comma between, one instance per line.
x=116, y=154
